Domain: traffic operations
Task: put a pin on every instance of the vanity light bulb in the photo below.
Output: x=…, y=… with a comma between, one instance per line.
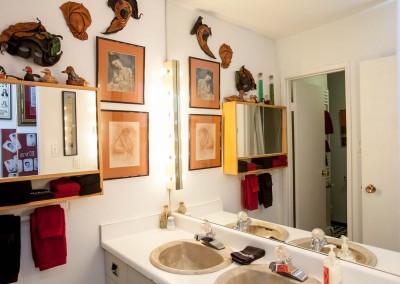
x=163, y=71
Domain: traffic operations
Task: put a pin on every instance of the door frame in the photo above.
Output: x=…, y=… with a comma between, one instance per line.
x=354, y=225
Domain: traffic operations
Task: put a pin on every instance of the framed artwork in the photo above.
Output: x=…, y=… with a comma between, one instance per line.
x=5, y=101
x=120, y=71
x=69, y=123
x=26, y=98
x=204, y=83
x=125, y=143
x=204, y=141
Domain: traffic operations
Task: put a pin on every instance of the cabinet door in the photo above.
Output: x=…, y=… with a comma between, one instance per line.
x=110, y=281
x=135, y=277
x=115, y=268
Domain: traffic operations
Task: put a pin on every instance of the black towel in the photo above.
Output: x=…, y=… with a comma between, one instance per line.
x=41, y=194
x=87, y=179
x=265, y=194
x=90, y=189
x=248, y=255
x=265, y=162
x=242, y=166
x=10, y=248
x=13, y=193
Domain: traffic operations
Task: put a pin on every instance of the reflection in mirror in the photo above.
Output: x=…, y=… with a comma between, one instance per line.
x=33, y=137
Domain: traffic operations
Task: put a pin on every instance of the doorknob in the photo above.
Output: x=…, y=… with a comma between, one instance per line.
x=370, y=188
x=325, y=173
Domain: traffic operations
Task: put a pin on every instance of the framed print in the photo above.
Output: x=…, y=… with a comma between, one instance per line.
x=204, y=83
x=205, y=141
x=125, y=143
x=26, y=97
x=69, y=123
x=120, y=71
x=5, y=101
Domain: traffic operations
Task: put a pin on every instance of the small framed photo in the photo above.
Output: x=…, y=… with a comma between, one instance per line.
x=5, y=101
x=120, y=71
x=125, y=143
x=69, y=123
x=205, y=141
x=26, y=98
x=204, y=83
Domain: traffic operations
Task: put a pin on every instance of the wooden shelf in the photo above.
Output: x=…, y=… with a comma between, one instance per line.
x=42, y=84
x=51, y=176
x=261, y=170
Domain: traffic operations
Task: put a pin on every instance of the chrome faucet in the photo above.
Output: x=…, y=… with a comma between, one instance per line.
x=208, y=231
x=318, y=240
x=285, y=266
x=243, y=222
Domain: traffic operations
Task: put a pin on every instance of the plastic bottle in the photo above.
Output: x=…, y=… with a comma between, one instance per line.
x=332, y=271
x=171, y=223
x=344, y=252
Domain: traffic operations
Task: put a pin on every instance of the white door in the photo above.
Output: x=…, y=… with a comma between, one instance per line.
x=380, y=153
x=309, y=153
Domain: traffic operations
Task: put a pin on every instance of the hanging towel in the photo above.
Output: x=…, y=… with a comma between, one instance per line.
x=10, y=248
x=49, y=245
x=250, y=190
x=247, y=255
x=265, y=193
x=64, y=185
x=328, y=123
x=13, y=193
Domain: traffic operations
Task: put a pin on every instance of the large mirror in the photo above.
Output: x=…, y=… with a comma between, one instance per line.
x=47, y=130
x=217, y=197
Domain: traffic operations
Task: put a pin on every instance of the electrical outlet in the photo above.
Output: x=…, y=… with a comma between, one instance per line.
x=55, y=150
x=77, y=163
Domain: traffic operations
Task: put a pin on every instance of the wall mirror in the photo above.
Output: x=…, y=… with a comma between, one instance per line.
x=181, y=45
x=47, y=130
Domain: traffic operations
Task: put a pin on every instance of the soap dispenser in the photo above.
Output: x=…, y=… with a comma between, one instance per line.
x=344, y=252
x=332, y=271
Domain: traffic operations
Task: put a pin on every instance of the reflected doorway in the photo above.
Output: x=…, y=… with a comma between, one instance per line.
x=319, y=153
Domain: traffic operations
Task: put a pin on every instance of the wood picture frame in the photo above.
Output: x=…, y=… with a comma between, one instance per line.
x=5, y=101
x=125, y=143
x=120, y=71
x=204, y=83
x=204, y=141
x=69, y=123
x=26, y=100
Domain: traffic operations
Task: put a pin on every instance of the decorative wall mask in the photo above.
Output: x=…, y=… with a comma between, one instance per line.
x=226, y=53
x=32, y=40
x=123, y=9
x=78, y=19
x=244, y=80
x=202, y=32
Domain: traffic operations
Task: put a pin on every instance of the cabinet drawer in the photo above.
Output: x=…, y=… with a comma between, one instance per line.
x=115, y=268
x=110, y=281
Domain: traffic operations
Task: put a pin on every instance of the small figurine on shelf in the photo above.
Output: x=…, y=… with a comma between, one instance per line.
x=164, y=217
x=73, y=78
x=47, y=77
x=2, y=73
x=182, y=208
x=29, y=76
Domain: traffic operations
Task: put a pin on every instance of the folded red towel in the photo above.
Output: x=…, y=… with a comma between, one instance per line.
x=66, y=194
x=250, y=190
x=63, y=185
x=49, y=221
x=48, y=252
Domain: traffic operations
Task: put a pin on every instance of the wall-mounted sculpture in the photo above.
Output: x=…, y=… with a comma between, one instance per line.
x=78, y=19
x=202, y=32
x=226, y=53
x=123, y=9
x=31, y=40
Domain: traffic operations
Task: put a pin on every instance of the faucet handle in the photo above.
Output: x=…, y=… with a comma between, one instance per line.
x=281, y=253
x=318, y=234
x=206, y=226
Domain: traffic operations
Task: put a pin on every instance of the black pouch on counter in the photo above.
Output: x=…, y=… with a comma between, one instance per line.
x=14, y=193
x=248, y=255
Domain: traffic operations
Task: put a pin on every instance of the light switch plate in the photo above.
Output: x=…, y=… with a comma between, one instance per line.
x=55, y=150
x=77, y=163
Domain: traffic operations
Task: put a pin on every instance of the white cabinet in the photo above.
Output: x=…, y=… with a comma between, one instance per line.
x=118, y=272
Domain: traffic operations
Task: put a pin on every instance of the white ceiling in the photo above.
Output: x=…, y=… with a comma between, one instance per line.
x=280, y=18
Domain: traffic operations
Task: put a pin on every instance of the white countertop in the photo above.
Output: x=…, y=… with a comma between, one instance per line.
x=132, y=242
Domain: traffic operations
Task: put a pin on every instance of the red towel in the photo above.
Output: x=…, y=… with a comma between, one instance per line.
x=328, y=123
x=49, y=223
x=279, y=161
x=250, y=190
x=51, y=251
x=64, y=185
x=66, y=194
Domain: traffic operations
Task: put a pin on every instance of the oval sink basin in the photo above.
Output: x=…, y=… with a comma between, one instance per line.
x=266, y=230
x=257, y=274
x=189, y=257
x=361, y=254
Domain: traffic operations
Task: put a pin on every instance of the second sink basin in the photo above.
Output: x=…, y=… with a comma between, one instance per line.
x=361, y=254
x=266, y=230
x=257, y=274
x=189, y=257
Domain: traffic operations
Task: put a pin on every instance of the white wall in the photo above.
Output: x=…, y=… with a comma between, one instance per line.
x=123, y=198
x=367, y=35
x=254, y=51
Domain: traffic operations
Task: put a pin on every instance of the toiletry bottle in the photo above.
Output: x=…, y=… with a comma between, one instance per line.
x=271, y=90
x=164, y=217
x=332, y=272
x=344, y=252
x=260, y=88
x=182, y=208
x=171, y=223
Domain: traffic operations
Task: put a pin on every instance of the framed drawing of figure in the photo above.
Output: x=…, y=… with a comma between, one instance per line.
x=204, y=141
x=204, y=83
x=125, y=143
x=120, y=71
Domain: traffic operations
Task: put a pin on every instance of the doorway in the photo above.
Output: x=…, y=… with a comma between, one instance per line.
x=319, y=146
